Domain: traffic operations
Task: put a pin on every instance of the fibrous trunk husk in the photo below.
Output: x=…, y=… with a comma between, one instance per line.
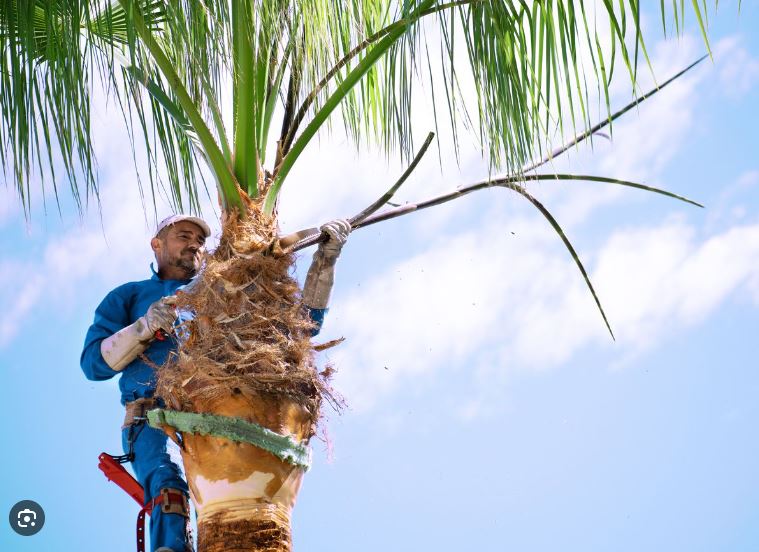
x=244, y=495
x=247, y=353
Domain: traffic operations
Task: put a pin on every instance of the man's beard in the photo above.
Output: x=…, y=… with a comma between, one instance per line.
x=189, y=265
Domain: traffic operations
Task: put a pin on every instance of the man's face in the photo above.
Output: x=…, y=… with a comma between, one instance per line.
x=180, y=248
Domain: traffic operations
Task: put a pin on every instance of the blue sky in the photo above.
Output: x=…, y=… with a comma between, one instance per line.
x=488, y=407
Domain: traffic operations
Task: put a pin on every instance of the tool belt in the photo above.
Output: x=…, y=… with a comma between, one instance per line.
x=138, y=409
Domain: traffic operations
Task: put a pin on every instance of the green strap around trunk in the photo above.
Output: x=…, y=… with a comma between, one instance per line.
x=283, y=447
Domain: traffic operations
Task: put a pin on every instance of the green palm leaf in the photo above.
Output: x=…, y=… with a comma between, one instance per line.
x=575, y=257
x=520, y=58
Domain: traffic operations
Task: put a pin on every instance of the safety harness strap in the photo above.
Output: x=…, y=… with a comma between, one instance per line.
x=172, y=501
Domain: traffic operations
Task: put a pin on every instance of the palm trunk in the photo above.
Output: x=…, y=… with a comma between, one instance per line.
x=249, y=356
x=244, y=495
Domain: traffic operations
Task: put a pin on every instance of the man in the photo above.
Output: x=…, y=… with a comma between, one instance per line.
x=133, y=321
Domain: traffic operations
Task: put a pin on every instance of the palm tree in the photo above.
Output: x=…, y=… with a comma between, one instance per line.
x=244, y=395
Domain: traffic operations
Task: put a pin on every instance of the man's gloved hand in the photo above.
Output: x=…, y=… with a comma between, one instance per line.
x=128, y=343
x=338, y=231
x=321, y=274
x=161, y=315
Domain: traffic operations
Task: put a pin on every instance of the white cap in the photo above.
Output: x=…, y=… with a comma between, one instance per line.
x=173, y=219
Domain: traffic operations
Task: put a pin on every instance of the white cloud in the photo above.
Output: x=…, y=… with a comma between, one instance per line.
x=76, y=257
x=25, y=298
x=87, y=253
x=9, y=201
x=738, y=70
x=664, y=121
x=663, y=277
x=527, y=305
x=730, y=206
x=329, y=181
x=438, y=307
x=504, y=303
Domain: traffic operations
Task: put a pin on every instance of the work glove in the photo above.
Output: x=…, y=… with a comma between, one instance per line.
x=338, y=231
x=161, y=315
x=321, y=274
x=120, y=349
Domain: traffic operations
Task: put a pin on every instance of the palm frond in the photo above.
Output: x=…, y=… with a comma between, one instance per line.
x=44, y=95
x=169, y=63
x=524, y=60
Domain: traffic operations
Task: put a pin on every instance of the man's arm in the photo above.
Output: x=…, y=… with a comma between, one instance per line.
x=110, y=317
x=321, y=274
x=317, y=317
x=112, y=343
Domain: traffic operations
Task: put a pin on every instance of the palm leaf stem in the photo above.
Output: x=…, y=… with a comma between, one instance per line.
x=387, y=196
x=263, y=66
x=510, y=179
x=293, y=90
x=512, y=183
x=606, y=122
x=271, y=100
x=505, y=182
x=554, y=223
x=304, y=238
x=244, y=72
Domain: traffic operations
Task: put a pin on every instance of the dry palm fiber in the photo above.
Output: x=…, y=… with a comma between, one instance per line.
x=251, y=334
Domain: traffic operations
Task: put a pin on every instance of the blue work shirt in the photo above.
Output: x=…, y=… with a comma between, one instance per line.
x=122, y=307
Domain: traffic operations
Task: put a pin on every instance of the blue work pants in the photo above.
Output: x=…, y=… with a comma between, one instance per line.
x=155, y=470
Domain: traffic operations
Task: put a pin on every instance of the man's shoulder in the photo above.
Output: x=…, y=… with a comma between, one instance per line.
x=130, y=289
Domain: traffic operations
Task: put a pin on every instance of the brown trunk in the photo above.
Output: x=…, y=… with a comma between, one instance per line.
x=248, y=356
x=256, y=529
x=244, y=495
